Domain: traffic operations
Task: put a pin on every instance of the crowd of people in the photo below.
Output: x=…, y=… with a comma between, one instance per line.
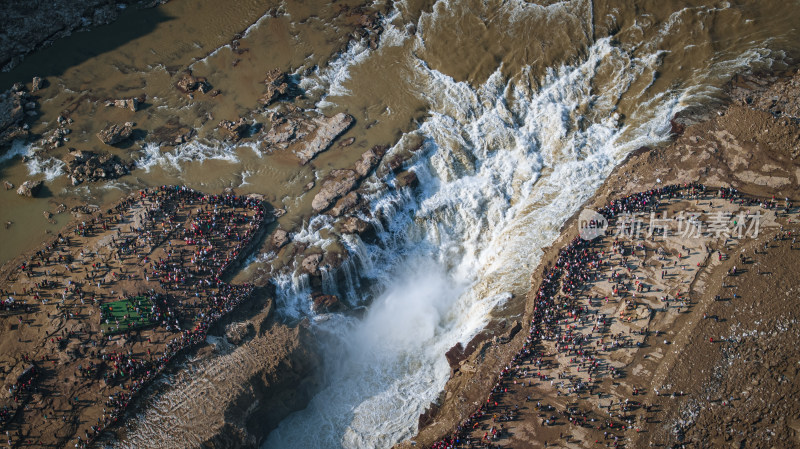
x=190, y=273
x=210, y=225
x=8, y=303
x=556, y=309
x=201, y=236
x=137, y=373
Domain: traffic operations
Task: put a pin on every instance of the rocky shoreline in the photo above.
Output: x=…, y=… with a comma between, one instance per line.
x=279, y=369
x=287, y=131
x=302, y=137
x=750, y=145
x=33, y=25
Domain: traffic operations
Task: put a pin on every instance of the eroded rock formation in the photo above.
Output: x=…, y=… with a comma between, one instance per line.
x=29, y=188
x=114, y=134
x=234, y=130
x=89, y=166
x=336, y=185
x=280, y=238
x=277, y=84
x=325, y=303
x=34, y=24
x=126, y=103
x=15, y=103
x=327, y=129
x=189, y=83
x=340, y=182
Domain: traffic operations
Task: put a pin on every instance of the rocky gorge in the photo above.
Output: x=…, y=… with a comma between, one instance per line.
x=759, y=123
x=262, y=106
x=277, y=362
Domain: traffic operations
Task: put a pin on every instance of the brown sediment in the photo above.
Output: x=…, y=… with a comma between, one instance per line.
x=146, y=54
x=721, y=356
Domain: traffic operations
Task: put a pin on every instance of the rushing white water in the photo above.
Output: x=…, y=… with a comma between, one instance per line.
x=37, y=163
x=502, y=168
x=194, y=151
x=18, y=148
x=50, y=167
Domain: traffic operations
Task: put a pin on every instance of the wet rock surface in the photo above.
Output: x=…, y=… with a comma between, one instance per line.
x=189, y=83
x=89, y=166
x=114, y=134
x=369, y=160
x=345, y=204
x=338, y=184
x=126, y=103
x=37, y=83
x=326, y=130
x=280, y=238
x=277, y=83
x=56, y=137
x=29, y=188
x=341, y=182
x=354, y=225
x=370, y=27
x=302, y=133
x=325, y=303
x=455, y=356
x=234, y=131
x=14, y=105
x=311, y=263
x=407, y=179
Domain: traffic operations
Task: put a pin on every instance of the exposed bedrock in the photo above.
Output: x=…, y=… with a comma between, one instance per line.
x=280, y=381
x=33, y=24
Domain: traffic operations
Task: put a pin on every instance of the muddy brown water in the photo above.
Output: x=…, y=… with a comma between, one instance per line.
x=145, y=50
x=663, y=48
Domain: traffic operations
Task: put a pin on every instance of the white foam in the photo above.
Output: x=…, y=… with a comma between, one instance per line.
x=484, y=211
x=501, y=169
x=331, y=80
x=246, y=175
x=48, y=166
x=18, y=148
x=194, y=151
x=367, y=361
x=394, y=35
